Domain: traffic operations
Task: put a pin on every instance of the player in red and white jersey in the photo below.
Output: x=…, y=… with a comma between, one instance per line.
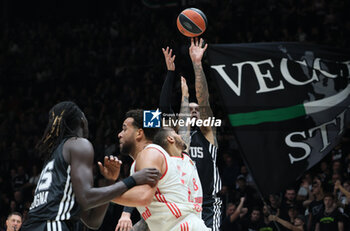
x=189, y=177
x=173, y=206
x=168, y=205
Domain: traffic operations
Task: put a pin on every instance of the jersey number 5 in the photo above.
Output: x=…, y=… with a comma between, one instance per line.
x=45, y=177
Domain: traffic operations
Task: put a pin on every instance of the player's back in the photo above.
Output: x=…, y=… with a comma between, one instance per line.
x=171, y=208
x=54, y=200
x=189, y=177
x=204, y=154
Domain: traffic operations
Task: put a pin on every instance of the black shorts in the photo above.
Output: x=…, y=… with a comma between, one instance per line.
x=211, y=213
x=49, y=226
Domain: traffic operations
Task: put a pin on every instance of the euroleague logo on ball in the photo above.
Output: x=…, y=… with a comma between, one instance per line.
x=192, y=22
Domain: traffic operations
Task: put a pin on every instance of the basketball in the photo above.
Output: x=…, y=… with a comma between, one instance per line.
x=192, y=22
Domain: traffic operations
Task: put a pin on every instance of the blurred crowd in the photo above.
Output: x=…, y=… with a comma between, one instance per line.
x=112, y=61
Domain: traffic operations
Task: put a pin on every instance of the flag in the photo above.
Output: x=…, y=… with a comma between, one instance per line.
x=287, y=102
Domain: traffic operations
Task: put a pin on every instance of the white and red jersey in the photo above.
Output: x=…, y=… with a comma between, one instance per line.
x=189, y=177
x=172, y=208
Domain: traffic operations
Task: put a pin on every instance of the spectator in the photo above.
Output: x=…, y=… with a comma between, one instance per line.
x=274, y=203
x=244, y=190
x=14, y=221
x=253, y=223
x=330, y=218
x=233, y=215
x=267, y=224
x=314, y=203
x=288, y=202
x=297, y=225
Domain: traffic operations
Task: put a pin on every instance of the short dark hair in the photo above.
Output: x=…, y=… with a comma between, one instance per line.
x=328, y=194
x=290, y=188
x=137, y=115
x=161, y=137
x=255, y=208
x=15, y=213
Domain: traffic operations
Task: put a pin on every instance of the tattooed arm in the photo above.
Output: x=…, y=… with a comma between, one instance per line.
x=196, y=53
x=184, y=131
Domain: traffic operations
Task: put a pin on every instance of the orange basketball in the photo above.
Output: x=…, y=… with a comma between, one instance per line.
x=192, y=22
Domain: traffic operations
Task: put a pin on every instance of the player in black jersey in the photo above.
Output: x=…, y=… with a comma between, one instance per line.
x=65, y=190
x=203, y=148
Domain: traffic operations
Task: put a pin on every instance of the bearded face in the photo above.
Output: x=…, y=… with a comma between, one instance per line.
x=126, y=137
x=179, y=142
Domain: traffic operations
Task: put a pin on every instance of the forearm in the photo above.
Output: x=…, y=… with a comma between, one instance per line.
x=93, y=218
x=141, y=195
x=343, y=190
x=95, y=197
x=287, y=224
x=235, y=215
x=202, y=92
x=141, y=225
x=184, y=131
x=166, y=93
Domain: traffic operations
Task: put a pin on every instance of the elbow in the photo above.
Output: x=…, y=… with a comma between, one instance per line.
x=92, y=225
x=89, y=221
x=145, y=200
x=84, y=205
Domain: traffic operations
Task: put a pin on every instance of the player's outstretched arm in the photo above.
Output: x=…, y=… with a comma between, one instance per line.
x=142, y=195
x=165, y=94
x=184, y=131
x=94, y=201
x=196, y=52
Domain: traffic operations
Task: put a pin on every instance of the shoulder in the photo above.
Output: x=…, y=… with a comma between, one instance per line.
x=149, y=155
x=78, y=144
x=77, y=147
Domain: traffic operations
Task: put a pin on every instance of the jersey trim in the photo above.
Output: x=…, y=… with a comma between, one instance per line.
x=67, y=201
x=217, y=180
x=178, y=157
x=217, y=214
x=184, y=226
x=166, y=162
x=172, y=206
x=54, y=226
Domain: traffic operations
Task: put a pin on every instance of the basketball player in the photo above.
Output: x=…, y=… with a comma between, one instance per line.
x=166, y=206
x=203, y=148
x=65, y=190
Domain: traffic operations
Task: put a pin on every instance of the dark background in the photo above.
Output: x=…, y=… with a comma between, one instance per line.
x=106, y=56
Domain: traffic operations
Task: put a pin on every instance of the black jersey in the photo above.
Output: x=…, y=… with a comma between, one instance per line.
x=54, y=198
x=203, y=153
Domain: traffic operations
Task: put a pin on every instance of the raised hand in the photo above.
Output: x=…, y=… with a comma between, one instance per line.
x=337, y=185
x=110, y=168
x=272, y=218
x=196, y=50
x=184, y=87
x=169, y=58
x=147, y=176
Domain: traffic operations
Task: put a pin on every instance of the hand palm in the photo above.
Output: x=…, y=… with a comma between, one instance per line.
x=111, y=168
x=196, y=53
